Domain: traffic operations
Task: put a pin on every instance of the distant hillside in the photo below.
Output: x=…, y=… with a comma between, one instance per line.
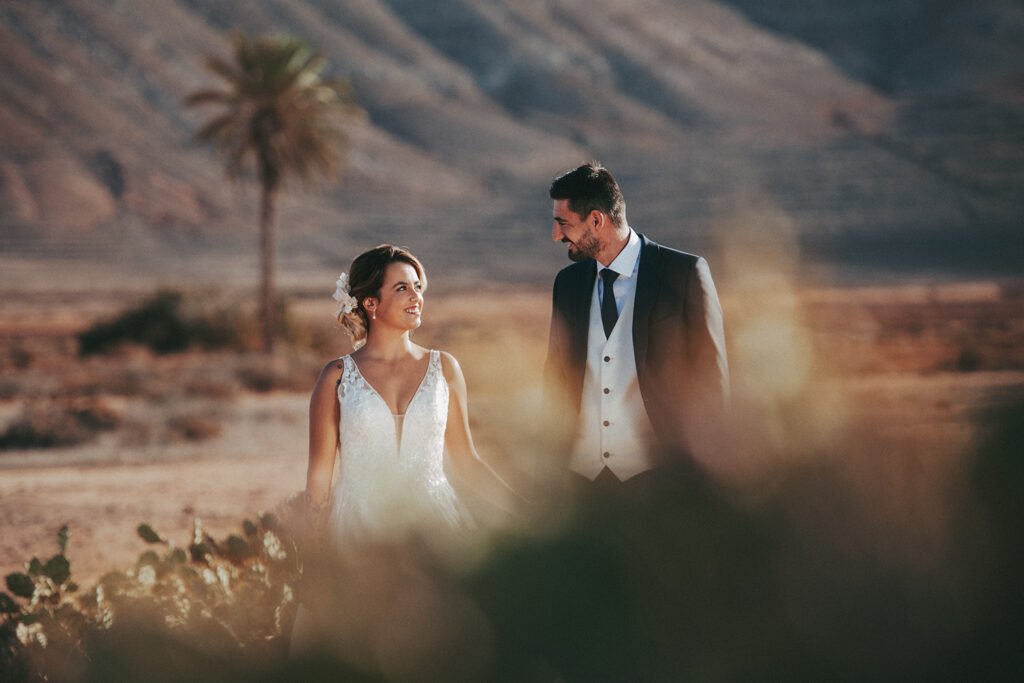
x=910, y=46
x=955, y=71
x=876, y=155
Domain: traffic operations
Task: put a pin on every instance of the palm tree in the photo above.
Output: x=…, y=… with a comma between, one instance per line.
x=278, y=110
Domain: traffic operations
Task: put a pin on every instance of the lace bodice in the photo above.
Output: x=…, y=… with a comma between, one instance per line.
x=391, y=481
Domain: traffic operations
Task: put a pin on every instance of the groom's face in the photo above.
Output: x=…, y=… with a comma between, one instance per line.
x=575, y=231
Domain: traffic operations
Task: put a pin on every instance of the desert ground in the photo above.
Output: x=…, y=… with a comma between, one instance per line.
x=888, y=382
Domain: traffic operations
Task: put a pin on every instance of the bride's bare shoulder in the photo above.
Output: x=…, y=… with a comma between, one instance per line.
x=333, y=367
x=450, y=367
x=330, y=374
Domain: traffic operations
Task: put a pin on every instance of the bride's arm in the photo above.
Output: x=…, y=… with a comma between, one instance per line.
x=467, y=464
x=323, y=445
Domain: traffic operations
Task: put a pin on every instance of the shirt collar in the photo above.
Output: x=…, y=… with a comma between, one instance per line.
x=625, y=263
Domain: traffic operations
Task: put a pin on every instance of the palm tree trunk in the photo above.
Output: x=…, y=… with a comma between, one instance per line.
x=267, y=207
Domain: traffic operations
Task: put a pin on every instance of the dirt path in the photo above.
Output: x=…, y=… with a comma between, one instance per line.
x=222, y=482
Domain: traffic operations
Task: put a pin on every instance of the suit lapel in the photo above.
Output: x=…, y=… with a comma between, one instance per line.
x=579, y=323
x=646, y=290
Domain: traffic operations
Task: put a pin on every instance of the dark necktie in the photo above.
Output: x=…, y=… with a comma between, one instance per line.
x=609, y=313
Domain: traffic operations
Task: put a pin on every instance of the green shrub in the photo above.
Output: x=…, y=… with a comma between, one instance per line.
x=168, y=322
x=156, y=323
x=172, y=321
x=238, y=594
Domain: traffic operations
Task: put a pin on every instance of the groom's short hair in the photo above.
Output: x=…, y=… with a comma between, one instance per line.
x=590, y=187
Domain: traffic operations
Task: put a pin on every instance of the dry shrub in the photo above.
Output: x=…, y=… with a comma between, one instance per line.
x=168, y=322
x=278, y=373
x=173, y=321
x=193, y=428
x=62, y=422
x=9, y=389
x=213, y=383
x=20, y=355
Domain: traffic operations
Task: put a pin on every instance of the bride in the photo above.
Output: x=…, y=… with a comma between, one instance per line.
x=392, y=419
x=386, y=414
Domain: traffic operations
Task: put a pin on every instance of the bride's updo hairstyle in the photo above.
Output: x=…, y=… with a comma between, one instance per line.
x=365, y=279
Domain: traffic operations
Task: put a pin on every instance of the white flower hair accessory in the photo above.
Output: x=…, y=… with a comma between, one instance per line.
x=346, y=302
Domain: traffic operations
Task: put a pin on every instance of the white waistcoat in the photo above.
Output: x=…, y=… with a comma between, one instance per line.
x=613, y=428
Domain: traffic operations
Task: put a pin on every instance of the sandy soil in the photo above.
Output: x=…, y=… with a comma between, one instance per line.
x=255, y=465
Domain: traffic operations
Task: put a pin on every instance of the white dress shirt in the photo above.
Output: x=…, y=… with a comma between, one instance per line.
x=626, y=264
x=613, y=429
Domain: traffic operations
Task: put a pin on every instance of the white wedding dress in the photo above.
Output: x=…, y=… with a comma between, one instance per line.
x=391, y=492
x=391, y=483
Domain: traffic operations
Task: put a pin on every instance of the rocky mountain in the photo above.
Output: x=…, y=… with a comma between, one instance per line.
x=834, y=123
x=954, y=72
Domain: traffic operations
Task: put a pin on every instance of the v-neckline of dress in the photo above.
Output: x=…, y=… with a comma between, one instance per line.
x=423, y=380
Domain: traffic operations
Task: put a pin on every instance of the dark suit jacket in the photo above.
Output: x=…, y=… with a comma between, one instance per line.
x=678, y=342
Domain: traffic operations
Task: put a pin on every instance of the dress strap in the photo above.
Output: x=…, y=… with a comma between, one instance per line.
x=346, y=373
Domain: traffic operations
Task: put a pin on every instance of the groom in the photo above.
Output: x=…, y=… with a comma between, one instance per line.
x=636, y=373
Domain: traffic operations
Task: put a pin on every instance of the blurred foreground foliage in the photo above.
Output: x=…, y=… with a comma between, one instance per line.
x=678, y=580
x=233, y=599
x=172, y=321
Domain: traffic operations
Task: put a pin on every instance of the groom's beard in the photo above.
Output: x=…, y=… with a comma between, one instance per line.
x=586, y=248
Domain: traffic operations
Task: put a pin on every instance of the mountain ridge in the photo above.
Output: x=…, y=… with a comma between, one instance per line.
x=472, y=107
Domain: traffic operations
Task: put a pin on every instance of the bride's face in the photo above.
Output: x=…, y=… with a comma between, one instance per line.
x=401, y=298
